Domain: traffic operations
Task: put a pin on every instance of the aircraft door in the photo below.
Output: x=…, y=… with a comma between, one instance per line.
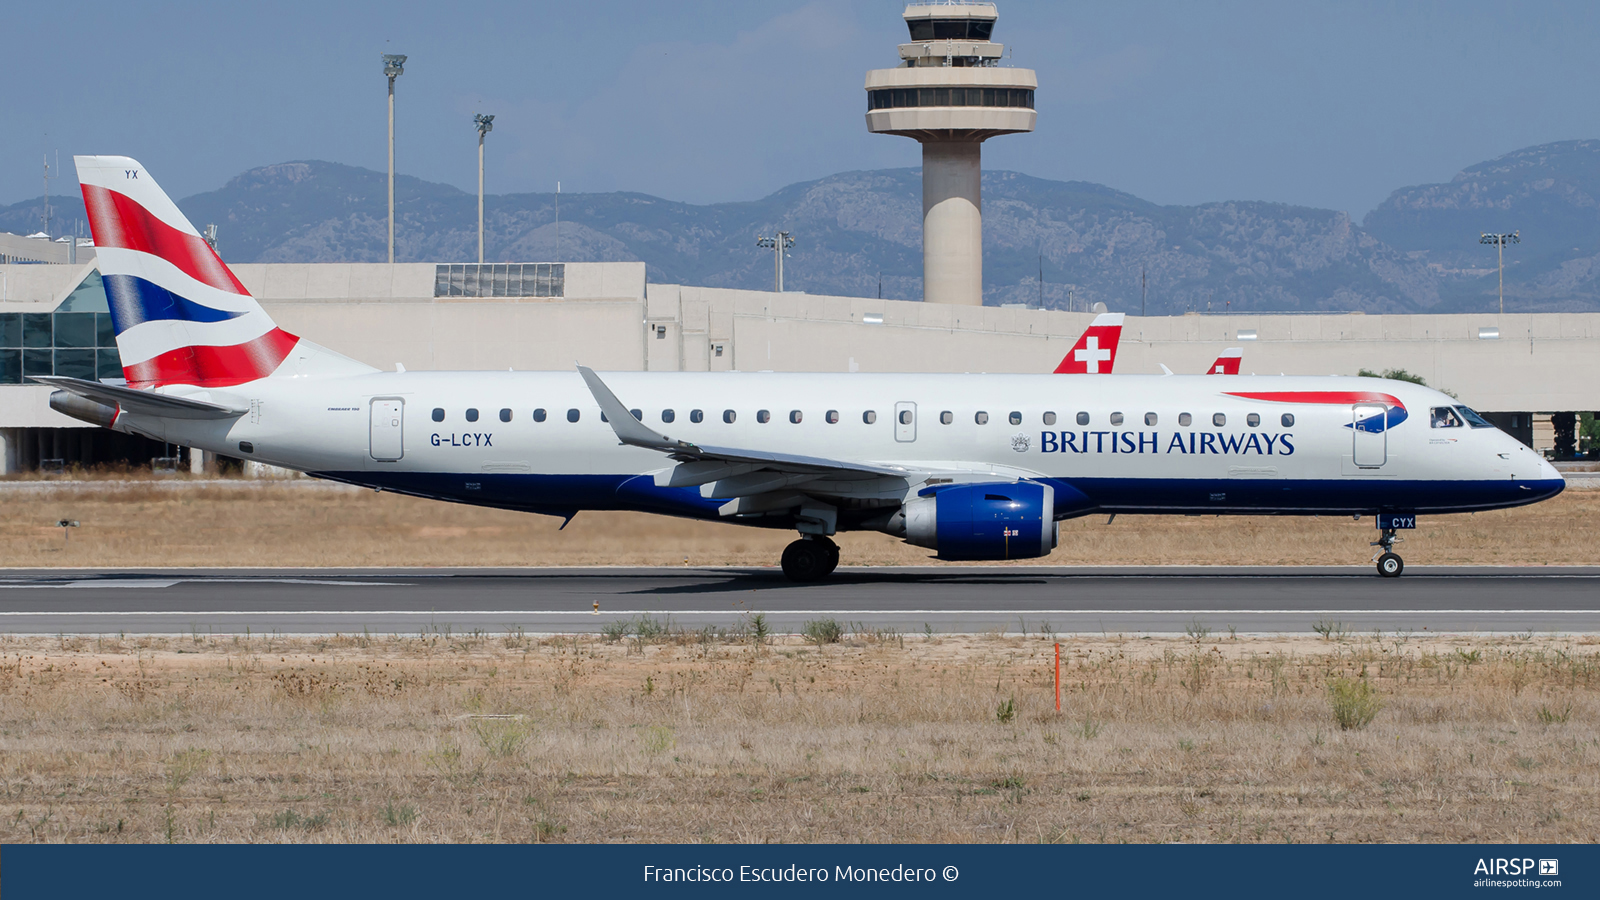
x=905, y=421
x=1371, y=437
x=388, y=418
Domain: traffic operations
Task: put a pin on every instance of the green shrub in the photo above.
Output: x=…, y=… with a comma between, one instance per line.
x=823, y=631
x=1355, y=702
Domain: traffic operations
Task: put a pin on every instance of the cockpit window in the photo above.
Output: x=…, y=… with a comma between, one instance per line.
x=1445, y=417
x=1473, y=419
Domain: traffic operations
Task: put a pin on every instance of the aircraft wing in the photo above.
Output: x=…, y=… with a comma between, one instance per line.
x=635, y=433
x=754, y=481
x=141, y=402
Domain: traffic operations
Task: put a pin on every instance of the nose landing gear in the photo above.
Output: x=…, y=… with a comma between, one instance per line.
x=812, y=558
x=1390, y=565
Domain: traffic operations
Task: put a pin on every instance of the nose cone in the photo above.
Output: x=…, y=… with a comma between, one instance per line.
x=1548, y=483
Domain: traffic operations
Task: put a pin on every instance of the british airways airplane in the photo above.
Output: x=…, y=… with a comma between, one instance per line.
x=974, y=467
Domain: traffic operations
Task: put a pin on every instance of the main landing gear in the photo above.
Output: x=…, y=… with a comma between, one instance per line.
x=812, y=558
x=1390, y=565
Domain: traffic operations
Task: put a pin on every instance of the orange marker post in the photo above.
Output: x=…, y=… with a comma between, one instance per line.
x=1058, y=677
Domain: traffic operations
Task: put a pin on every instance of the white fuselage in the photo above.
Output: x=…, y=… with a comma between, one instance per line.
x=1183, y=444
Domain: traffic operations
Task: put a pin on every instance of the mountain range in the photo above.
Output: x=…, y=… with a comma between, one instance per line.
x=859, y=233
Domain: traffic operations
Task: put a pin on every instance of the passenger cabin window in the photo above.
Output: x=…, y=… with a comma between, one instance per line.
x=637, y=414
x=832, y=417
x=438, y=414
x=505, y=415
x=538, y=415
x=1445, y=417
x=697, y=416
x=1049, y=418
x=1219, y=420
x=1287, y=420
x=869, y=417
x=1015, y=417
x=1473, y=419
x=946, y=417
x=729, y=416
x=982, y=418
x=572, y=415
x=1151, y=418
x=905, y=417
x=472, y=415
x=1116, y=418
x=1253, y=420
x=1083, y=418
x=668, y=416
x=763, y=416
x=1185, y=419
x=794, y=417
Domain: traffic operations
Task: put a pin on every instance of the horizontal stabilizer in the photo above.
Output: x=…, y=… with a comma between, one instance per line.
x=143, y=403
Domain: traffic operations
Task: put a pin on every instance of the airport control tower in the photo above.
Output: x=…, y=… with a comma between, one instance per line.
x=951, y=94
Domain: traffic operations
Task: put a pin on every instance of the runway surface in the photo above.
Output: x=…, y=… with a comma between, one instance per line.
x=945, y=599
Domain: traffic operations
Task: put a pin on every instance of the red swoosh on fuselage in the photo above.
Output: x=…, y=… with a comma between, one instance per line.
x=1330, y=397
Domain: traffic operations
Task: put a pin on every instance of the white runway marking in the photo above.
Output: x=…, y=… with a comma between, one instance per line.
x=804, y=612
x=145, y=583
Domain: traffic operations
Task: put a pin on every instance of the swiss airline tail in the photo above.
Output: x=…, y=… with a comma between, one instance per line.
x=1096, y=351
x=1228, y=362
x=180, y=315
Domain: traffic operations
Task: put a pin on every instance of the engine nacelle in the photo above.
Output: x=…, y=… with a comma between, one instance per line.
x=83, y=409
x=984, y=521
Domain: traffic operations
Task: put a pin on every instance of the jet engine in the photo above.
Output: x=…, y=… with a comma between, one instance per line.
x=984, y=521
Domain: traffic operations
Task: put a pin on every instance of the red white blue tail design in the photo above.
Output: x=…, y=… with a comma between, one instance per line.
x=180, y=315
x=1096, y=351
x=1228, y=362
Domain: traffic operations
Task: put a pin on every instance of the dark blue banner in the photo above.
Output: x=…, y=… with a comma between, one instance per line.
x=301, y=872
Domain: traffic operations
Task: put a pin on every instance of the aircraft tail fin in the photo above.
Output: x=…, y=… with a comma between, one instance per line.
x=1096, y=350
x=1228, y=362
x=180, y=315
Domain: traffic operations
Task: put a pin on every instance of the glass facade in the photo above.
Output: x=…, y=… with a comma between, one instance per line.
x=76, y=344
x=77, y=340
x=903, y=98
x=962, y=29
x=501, y=280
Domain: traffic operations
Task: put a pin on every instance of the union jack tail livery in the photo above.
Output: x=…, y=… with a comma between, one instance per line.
x=1096, y=351
x=180, y=315
x=1228, y=362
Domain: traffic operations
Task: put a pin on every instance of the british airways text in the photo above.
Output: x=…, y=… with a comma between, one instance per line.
x=1195, y=443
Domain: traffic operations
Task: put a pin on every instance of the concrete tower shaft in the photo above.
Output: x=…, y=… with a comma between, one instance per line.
x=951, y=94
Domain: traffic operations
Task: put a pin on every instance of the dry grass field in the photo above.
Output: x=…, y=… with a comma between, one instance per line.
x=149, y=522
x=878, y=737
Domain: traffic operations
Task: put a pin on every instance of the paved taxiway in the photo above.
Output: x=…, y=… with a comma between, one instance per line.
x=949, y=599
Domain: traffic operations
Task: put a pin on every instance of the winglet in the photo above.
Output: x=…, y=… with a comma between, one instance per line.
x=1228, y=362
x=628, y=429
x=1097, y=345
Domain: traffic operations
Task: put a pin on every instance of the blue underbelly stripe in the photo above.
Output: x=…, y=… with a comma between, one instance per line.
x=562, y=494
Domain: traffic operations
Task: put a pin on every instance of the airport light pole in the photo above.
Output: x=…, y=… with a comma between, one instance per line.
x=1500, y=241
x=394, y=64
x=485, y=125
x=778, y=243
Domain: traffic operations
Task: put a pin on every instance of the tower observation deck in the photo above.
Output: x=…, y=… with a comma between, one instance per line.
x=951, y=94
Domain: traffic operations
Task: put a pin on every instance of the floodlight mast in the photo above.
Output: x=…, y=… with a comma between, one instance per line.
x=1500, y=241
x=778, y=243
x=393, y=66
x=485, y=125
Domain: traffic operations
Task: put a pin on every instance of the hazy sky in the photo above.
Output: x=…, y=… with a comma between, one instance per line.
x=1330, y=104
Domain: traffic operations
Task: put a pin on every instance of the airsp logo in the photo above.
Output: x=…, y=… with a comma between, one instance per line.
x=1020, y=442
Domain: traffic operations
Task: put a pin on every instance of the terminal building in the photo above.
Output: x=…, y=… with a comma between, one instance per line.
x=1529, y=373
x=1518, y=368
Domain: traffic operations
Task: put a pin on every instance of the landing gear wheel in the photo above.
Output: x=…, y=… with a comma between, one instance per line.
x=833, y=554
x=1390, y=565
x=806, y=561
